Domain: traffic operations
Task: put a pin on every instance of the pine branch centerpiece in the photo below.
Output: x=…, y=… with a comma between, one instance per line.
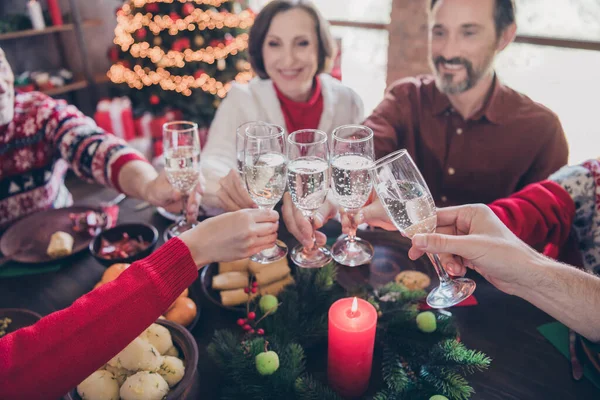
x=420, y=356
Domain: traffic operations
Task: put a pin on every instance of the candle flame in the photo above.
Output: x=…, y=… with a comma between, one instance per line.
x=354, y=307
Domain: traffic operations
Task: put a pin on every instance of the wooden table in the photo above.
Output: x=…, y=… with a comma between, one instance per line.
x=525, y=365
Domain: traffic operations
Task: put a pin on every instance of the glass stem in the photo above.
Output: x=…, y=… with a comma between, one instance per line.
x=184, y=202
x=437, y=264
x=353, y=227
x=313, y=238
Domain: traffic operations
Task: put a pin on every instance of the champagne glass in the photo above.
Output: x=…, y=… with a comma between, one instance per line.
x=408, y=202
x=308, y=183
x=265, y=174
x=240, y=137
x=181, y=146
x=351, y=159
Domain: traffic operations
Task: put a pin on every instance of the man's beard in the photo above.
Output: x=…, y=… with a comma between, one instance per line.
x=445, y=82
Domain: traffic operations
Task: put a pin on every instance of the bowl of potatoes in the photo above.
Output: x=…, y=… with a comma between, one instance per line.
x=158, y=364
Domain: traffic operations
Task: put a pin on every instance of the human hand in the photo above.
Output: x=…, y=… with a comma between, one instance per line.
x=232, y=236
x=232, y=193
x=299, y=226
x=373, y=214
x=472, y=236
x=161, y=193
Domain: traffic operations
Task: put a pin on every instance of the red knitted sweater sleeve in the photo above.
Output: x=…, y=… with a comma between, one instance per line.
x=47, y=359
x=541, y=213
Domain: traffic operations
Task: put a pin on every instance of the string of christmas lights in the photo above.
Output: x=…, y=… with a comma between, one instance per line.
x=197, y=19
x=178, y=59
x=214, y=3
x=140, y=77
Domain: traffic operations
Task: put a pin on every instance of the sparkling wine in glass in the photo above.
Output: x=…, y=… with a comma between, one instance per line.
x=351, y=160
x=182, y=165
x=265, y=174
x=308, y=183
x=410, y=206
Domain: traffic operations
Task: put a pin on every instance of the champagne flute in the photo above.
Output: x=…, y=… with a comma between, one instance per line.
x=182, y=165
x=308, y=183
x=265, y=174
x=410, y=206
x=240, y=137
x=351, y=159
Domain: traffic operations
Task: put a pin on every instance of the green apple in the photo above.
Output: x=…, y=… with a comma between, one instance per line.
x=267, y=362
x=426, y=322
x=267, y=303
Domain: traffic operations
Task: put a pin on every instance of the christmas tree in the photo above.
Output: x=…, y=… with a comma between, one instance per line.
x=180, y=54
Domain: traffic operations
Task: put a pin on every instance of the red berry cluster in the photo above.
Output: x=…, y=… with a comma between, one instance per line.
x=250, y=323
x=253, y=288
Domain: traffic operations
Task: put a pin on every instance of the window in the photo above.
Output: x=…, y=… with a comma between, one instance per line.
x=564, y=80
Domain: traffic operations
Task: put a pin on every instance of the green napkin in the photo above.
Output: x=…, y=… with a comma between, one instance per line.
x=558, y=335
x=13, y=270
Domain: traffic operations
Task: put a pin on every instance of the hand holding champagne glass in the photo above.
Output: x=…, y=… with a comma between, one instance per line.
x=308, y=182
x=410, y=206
x=182, y=165
x=351, y=159
x=265, y=174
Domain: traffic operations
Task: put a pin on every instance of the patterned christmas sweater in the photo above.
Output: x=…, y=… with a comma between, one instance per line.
x=562, y=212
x=44, y=139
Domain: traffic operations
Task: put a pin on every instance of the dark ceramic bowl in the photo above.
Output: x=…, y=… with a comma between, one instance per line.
x=188, y=351
x=147, y=232
x=213, y=295
x=20, y=318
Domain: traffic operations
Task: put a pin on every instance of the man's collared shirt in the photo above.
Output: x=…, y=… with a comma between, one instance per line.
x=511, y=142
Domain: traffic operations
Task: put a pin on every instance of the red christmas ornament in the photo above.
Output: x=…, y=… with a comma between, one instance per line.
x=174, y=16
x=241, y=322
x=215, y=43
x=260, y=331
x=246, y=290
x=152, y=8
x=141, y=33
x=181, y=44
x=251, y=331
x=254, y=290
x=254, y=284
x=188, y=8
x=113, y=54
x=251, y=315
x=198, y=74
x=246, y=327
x=154, y=100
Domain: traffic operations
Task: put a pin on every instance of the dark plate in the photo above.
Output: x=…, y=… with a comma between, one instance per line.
x=26, y=241
x=188, y=350
x=20, y=318
x=213, y=296
x=592, y=353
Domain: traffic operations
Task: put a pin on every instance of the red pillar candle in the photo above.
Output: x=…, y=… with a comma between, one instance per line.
x=54, y=10
x=352, y=326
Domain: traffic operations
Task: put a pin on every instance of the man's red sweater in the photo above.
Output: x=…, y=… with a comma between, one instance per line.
x=541, y=215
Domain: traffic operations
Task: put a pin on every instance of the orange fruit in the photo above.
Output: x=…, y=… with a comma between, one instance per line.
x=183, y=311
x=113, y=272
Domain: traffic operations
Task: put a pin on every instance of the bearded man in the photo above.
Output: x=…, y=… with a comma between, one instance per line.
x=474, y=139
